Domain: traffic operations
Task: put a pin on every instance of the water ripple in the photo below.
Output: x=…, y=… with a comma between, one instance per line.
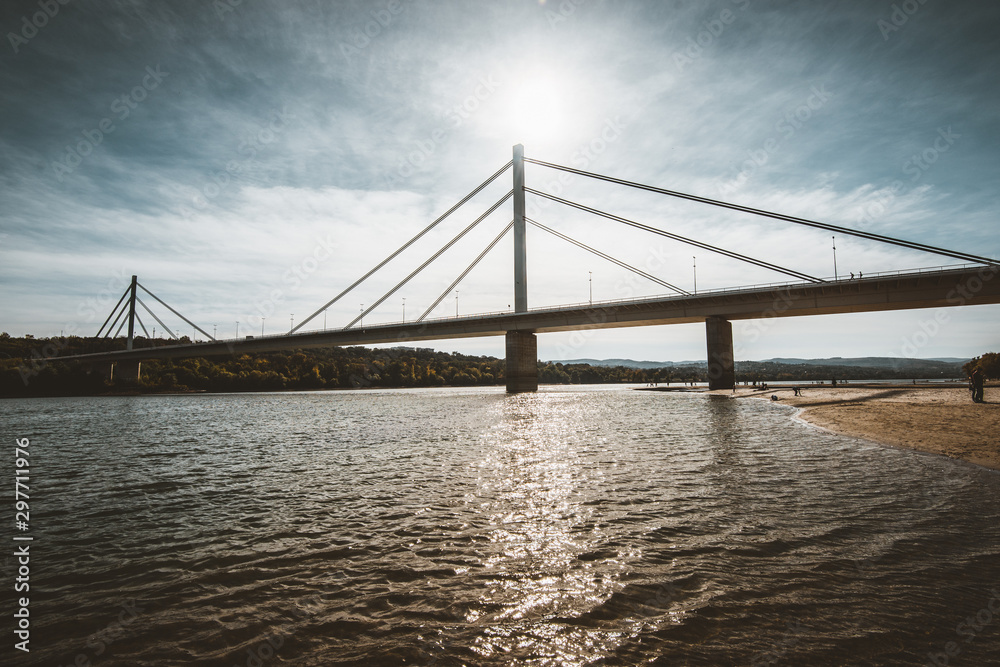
x=467, y=527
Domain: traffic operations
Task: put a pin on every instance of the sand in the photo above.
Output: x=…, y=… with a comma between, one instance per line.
x=940, y=420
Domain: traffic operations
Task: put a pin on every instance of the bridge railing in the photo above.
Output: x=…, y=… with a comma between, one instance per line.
x=725, y=291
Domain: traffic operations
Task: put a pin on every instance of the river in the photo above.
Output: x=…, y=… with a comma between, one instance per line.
x=583, y=526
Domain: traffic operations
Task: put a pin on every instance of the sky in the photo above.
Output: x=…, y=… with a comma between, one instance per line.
x=250, y=159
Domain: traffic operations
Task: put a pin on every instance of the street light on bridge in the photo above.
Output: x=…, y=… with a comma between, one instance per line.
x=591, y=281
x=456, y=303
x=404, y=310
x=694, y=267
x=291, y=322
x=237, y=328
x=834, y=257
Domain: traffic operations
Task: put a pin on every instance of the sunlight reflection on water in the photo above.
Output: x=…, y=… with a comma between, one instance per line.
x=532, y=485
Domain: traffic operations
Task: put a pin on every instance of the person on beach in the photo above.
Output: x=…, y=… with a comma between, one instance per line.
x=977, y=385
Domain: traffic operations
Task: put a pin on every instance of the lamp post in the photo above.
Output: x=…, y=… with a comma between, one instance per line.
x=215, y=331
x=694, y=268
x=291, y=322
x=404, y=310
x=237, y=328
x=324, y=319
x=834, y=257
x=262, y=318
x=456, y=303
x=591, y=281
x=361, y=321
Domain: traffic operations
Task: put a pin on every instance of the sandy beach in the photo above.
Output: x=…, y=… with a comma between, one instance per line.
x=940, y=420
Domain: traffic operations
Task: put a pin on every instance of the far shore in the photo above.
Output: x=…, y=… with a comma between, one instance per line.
x=928, y=418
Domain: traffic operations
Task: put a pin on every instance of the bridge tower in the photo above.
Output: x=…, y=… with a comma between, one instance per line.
x=721, y=369
x=128, y=370
x=521, y=345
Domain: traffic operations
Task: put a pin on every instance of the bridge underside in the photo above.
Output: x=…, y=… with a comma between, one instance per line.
x=900, y=292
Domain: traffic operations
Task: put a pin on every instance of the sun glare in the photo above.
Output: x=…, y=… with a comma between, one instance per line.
x=538, y=111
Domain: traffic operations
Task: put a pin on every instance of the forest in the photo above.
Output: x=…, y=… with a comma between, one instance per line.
x=26, y=371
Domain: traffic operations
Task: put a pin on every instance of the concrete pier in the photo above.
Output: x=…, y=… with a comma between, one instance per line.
x=522, y=362
x=126, y=371
x=105, y=369
x=721, y=369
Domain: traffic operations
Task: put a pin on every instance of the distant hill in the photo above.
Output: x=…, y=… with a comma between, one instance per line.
x=943, y=364
x=873, y=362
x=630, y=363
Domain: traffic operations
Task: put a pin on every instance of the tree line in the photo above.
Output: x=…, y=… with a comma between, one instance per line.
x=25, y=371
x=989, y=364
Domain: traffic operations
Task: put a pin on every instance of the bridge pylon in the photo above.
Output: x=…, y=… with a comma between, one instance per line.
x=131, y=314
x=721, y=367
x=521, y=346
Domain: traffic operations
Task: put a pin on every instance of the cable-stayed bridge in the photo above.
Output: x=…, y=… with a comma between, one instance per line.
x=969, y=283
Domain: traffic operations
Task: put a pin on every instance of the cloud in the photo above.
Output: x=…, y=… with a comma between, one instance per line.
x=277, y=124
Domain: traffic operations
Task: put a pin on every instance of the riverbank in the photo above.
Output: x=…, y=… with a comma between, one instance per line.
x=927, y=418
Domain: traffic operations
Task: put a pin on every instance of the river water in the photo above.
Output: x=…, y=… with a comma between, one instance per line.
x=588, y=526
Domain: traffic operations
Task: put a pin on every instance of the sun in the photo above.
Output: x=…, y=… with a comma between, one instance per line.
x=538, y=110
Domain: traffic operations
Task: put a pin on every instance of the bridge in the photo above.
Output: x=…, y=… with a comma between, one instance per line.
x=969, y=283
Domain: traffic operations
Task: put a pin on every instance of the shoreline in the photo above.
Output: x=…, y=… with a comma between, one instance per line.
x=934, y=419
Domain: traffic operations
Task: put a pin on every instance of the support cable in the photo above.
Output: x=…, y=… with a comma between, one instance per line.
x=120, y=327
x=433, y=257
x=965, y=257
x=682, y=239
x=141, y=325
x=125, y=294
x=467, y=270
x=609, y=258
x=176, y=313
x=405, y=245
x=117, y=317
x=166, y=328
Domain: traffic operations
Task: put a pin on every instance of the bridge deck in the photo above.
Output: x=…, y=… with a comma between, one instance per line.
x=924, y=289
